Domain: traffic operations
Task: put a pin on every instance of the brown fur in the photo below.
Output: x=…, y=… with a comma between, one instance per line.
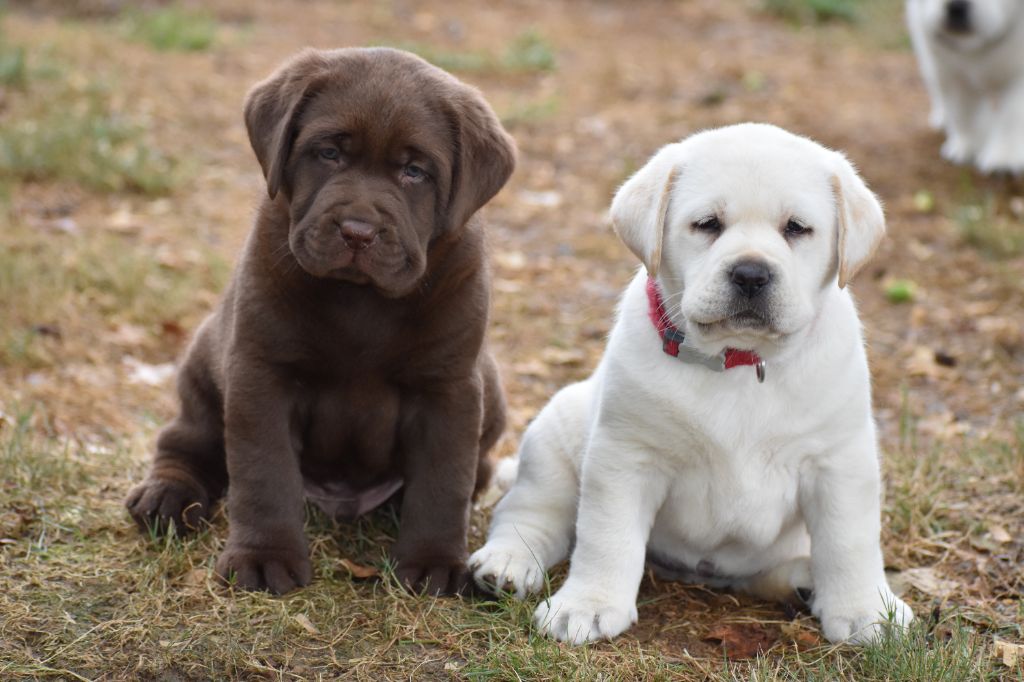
x=326, y=362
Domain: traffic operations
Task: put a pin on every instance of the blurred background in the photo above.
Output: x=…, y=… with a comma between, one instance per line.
x=127, y=186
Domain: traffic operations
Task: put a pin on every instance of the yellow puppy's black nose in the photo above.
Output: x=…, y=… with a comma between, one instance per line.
x=750, y=277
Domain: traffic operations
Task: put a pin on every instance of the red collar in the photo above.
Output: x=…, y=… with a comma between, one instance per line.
x=672, y=340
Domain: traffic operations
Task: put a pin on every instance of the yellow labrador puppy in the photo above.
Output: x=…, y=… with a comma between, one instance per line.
x=726, y=436
x=971, y=54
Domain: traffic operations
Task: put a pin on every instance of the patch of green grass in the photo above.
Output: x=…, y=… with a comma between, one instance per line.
x=813, y=11
x=84, y=595
x=950, y=651
x=74, y=283
x=530, y=111
x=528, y=52
x=450, y=60
x=13, y=65
x=172, y=28
x=73, y=133
x=983, y=226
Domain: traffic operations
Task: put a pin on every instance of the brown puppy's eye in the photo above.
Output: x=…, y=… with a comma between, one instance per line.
x=411, y=173
x=329, y=154
x=794, y=228
x=710, y=224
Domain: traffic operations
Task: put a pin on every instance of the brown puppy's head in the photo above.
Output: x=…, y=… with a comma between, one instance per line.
x=378, y=154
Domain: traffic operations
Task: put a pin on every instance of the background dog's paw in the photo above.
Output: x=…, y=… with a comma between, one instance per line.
x=165, y=504
x=1003, y=156
x=498, y=568
x=434, y=577
x=576, y=618
x=957, y=149
x=274, y=570
x=866, y=620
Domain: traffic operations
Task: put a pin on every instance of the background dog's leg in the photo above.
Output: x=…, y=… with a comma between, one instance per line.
x=960, y=111
x=841, y=505
x=1003, y=148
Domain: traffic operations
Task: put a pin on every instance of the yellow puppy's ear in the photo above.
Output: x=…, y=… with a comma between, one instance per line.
x=640, y=209
x=859, y=217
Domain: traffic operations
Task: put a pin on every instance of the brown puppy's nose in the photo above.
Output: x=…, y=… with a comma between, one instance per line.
x=750, y=277
x=357, y=234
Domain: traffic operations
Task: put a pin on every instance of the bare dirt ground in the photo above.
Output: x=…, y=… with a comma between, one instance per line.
x=99, y=289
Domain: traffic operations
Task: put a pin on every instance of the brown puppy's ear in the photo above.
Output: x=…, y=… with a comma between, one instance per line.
x=640, y=208
x=485, y=157
x=860, y=220
x=272, y=108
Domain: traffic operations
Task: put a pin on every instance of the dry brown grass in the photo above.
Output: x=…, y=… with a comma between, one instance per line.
x=101, y=282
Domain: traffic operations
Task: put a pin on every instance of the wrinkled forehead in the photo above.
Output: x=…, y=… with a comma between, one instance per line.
x=380, y=113
x=754, y=180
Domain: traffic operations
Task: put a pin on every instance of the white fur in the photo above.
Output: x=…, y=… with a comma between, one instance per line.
x=975, y=79
x=775, y=484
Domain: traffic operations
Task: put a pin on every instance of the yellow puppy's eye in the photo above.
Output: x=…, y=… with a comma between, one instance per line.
x=709, y=223
x=794, y=228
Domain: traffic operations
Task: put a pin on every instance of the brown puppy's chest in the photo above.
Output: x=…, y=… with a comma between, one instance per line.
x=347, y=439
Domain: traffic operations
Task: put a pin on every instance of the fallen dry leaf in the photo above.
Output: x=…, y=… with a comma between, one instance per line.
x=1010, y=653
x=927, y=580
x=358, y=570
x=123, y=221
x=563, y=356
x=741, y=640
x=145, y=373
x=304, y=621
x=923, y=363
x=195, y=577
x=999, y=534
x=801, y=636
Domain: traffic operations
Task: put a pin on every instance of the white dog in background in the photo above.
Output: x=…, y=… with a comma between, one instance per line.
x=971, y=54
x=673, y=451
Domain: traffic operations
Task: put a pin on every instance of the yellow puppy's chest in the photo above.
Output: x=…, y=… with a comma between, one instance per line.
x=731, y=513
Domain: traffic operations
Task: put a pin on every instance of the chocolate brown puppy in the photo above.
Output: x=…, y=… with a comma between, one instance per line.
x=347, y=357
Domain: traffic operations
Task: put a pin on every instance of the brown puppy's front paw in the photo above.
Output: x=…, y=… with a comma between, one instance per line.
x=274, y=570
x=164, y=504
x=433, y=576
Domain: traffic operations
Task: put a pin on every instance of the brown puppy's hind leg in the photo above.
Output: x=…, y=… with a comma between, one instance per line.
x=493, y=421
x=189, y=472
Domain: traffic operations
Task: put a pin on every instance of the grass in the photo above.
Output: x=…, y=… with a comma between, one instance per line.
x=880, y=22
x=981, y=224
x=64, y=127
x=524, y=112
x=172, y=28
x=87, y=143
x=13, y=64
x=527, y=53
x=62, y=288
x=813, y=11
x=84, y=595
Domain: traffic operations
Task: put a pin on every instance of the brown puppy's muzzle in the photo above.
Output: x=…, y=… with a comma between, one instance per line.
x=358, y=235
x=357, y=244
